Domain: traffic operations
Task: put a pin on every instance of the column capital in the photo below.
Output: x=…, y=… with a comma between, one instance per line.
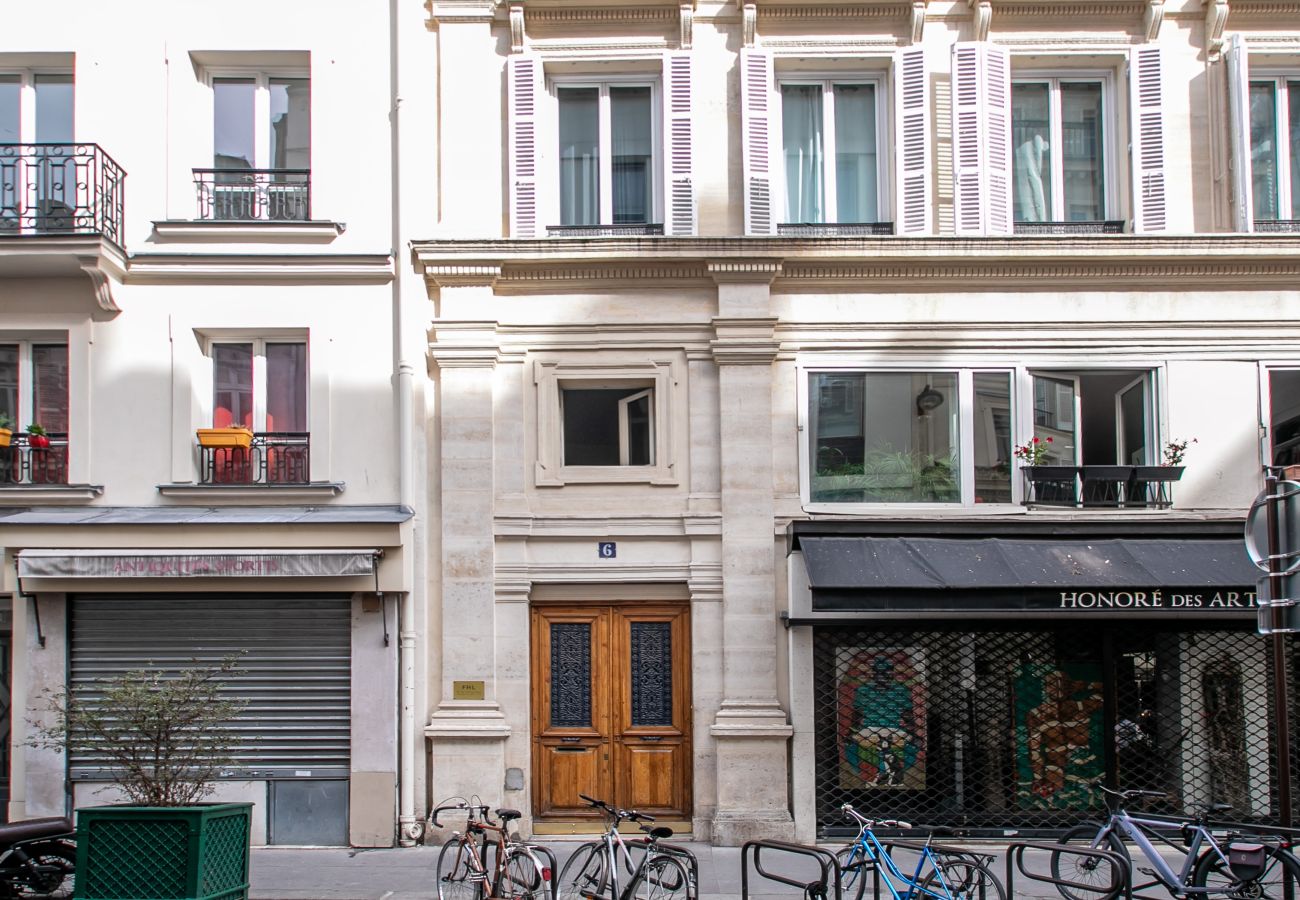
x=745, y=341
x=467, y=719
x=454, y=344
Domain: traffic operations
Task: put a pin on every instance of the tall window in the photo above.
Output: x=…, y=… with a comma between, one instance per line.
x=261, y=385
x=34, y=385
x=1274, y=162
x=1284, y=416
x=37, y=108
x=830, y=149
x=261, y=148
x=1058, y=150
x=607, y=154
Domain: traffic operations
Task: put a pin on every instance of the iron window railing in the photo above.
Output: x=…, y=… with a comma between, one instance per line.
x=263, y=195
x=21, y=463
x=53, y=189
x=1141, y=487
x=275, y=457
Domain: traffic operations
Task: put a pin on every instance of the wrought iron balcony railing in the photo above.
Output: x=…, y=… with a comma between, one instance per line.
x=1127, y=487
x=21, y=463
x=259, y=195
x=275, y=457
x=53, y=189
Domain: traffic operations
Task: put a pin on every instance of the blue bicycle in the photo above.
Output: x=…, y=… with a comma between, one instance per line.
x=940, y=872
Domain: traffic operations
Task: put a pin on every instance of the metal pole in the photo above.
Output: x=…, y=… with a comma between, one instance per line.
x=1281, y=693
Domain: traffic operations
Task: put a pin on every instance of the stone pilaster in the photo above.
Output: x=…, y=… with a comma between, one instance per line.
x=750, y=730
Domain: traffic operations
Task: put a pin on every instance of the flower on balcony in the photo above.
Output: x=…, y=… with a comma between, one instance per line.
x=1174, y=451
x=37, y=439
x=1032, y=453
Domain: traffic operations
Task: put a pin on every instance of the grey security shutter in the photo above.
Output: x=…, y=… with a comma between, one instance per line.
x=296, y=671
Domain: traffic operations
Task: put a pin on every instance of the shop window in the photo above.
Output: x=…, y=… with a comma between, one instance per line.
x=896, y=437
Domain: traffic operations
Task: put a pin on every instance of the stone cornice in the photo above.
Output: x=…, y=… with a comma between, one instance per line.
x=460, y=11
x=461, y=275
x=745, y=342
x=464, y=345
x=223, y=268
x=1143, y=261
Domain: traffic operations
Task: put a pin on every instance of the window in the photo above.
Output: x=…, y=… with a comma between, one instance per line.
x=1059, y=150
x=34, y=390
x=261, y=149
x=260, y=384
x=898, y=437
x=830, y=150
x=1274, y=162
x=1095, y=418
x=601, y=148
x=37, y=108
x=605, y=421
x=1284, y=416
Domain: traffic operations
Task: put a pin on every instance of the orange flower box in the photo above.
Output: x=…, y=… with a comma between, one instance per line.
x=225, y=437
x=5, y=435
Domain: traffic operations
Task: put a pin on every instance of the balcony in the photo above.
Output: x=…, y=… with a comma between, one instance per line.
x=253, y=195
x=21, y=463
x=60, y=189
x=275, y=457
x=1088, y=487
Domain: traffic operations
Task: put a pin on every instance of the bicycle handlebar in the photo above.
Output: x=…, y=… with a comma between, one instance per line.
x=617, y=814
x=473, y=811
x=848, y=809
x=1126, y=795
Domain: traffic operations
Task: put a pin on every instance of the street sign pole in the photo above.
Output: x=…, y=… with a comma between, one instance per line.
x=1277, y=593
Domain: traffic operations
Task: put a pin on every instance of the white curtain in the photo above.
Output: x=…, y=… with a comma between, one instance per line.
x=801, y=129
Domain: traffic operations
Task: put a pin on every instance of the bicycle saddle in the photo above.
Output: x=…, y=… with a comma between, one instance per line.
x=505, y=815
x=659, y=832
x=1216, y=807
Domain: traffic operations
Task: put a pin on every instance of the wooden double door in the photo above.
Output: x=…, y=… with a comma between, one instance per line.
x=611, y=701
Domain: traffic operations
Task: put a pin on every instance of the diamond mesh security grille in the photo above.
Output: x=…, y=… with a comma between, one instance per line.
x=988, y=727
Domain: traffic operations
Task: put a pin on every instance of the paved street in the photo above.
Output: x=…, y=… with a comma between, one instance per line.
x=407, y=874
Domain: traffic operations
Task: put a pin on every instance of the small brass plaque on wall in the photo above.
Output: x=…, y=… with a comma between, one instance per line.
x=467, y=690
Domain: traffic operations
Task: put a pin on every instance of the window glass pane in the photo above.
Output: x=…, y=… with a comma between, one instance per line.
x=9, y=384
x=1081, y=157
x=290, y=123
x=10, y=87
x=1133, y=422
x=801, y=130
x=992, y=437
x=232, y=385
x=286, y=387
x=50, y=387
x=908, y=450
x=1293, y=143
x=1032, y=162
x=631, y=157
x=53, y=109
x=855, y=153
x=593, y=432
x=232, y=124
x=1054, y=403
x=1263, y=149
x=579, y=156
x=1284, y=415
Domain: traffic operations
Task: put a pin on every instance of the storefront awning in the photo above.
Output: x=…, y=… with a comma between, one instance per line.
x=119, y=563
x=910, y=563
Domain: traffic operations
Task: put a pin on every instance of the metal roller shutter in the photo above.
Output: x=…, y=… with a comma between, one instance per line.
x=296, y=667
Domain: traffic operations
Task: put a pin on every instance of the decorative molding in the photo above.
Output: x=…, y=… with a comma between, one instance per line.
x=918, y=20
x=835, y=46
x=622, y=50
x=1259, y=8
x=886, y=9
x=1081, y=273
x=1116, y=9
x=481, y=274
x=737, y=271
x=1216, y=19
x=199, y=231
x=516, y=26
x=48, y=494
x=586, y=15
x=464, y=345
x=1065, y=44
x=1155, y=14
x=467, y=720
x=459, y=12
x=100, y=284
x=981, y=17
x=212, y=268
x=262, y=493
x=629, y=271
x=748, y=23
x=512, y=590
x=745, y=342
x=686, y=14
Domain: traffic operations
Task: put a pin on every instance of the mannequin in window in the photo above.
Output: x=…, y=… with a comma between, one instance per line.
x=1030, y=197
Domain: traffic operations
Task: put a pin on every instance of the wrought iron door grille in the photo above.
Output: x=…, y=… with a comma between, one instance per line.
x=992, y=728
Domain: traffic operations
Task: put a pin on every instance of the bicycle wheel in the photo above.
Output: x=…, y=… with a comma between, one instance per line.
x=1280, y=869
x=55, y=875
x=459, y=874
x=521, y=878
x=963, y=879
x=583, y=876
x=855, y=871
x=1087, y=877
x=661, y=878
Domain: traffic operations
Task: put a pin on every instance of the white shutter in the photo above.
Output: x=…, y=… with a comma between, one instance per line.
x=524, y=81
x=981, y=139
x=1148, y=163
x=756, y=119
x=912, y=125
x=1243, y=200
x=679, y=178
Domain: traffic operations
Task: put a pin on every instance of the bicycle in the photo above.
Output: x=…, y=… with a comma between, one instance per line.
x=942, y=873
x=1247, y=867
x=463, y=873
x=661, y=871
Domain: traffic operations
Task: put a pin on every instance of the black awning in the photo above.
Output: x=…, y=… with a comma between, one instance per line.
x=918, y=563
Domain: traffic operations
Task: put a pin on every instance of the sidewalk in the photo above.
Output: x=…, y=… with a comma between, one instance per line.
x=280, y=873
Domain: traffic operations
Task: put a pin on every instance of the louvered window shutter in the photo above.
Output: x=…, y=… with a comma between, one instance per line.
x=679, y=176
x=524, y=78
x=1243, y=200
x=756, y=115
x=1148, y=163
x=912, y=124
x=981, y=140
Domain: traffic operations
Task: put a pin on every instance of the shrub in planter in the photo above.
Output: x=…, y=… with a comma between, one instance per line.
x=164, y=737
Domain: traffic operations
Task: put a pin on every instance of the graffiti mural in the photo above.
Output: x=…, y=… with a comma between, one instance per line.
x=882, y=718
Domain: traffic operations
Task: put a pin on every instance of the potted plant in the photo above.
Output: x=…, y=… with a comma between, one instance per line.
x=1050, y=483
x=232, y=436
x=6, y=430
x=165, y=737
x=1170, y=469
x=37, y=439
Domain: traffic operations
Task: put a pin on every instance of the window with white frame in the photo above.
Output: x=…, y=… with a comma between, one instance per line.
x=36, y=107
x=1274, y=146
x=34, y=384
x=601, y=153
x=260, y=385
x=261, y=148
x=605, y=422
x=831, y=149
x=1059, y=139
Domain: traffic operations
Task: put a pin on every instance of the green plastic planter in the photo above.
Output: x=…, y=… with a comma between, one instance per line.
x=163, y=853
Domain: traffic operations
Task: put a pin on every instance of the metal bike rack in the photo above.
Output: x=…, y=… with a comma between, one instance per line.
x=941, y=852
x=1120, y=883
x=825, y=860
x=549, y=856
